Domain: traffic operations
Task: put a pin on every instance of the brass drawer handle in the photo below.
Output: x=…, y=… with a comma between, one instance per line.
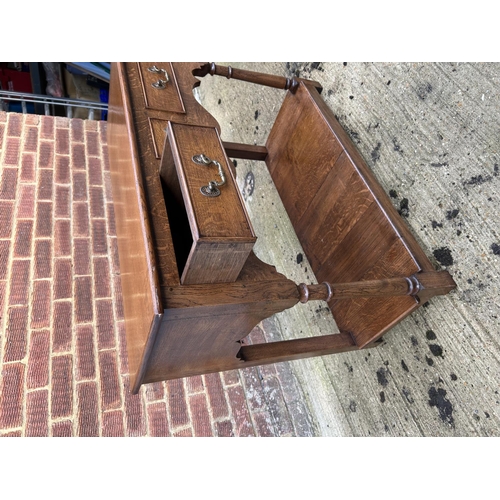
x=212, y=189
x=161, y=83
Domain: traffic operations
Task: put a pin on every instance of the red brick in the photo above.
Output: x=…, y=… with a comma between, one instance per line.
x=47, y=128
x=96, y=202
x=224, y=429
x=3, y=293
x=12, y=390
x=43, y=259
x=157, y=418
x=105, y=324
x=38, y=359
x=155, y=391
x=216, y=395
x=4, y=258
x=37, y=414
x=105, y=157
x=62, y=329
x=26, y=205
x=256, y=336
x=62, y=386
x=110, y=217
x=76, y=127
x=62, y=170
x=46, y=155
x=28, y=167
x=78, y=156
x=81, y=256
x=103, y=131
x=16, y=334
x=195, y=384
x=201, y=417
x=62, y=429
x=62, y=199
x=110, y=385
x=6, y=210
x=92, y=143
x=11, y=151
x=122, y=345
x=40, y=312
x=83, y=298
x=45, y=182
x=62, y=122
x=3, y=116
x=85, y=360
x=79, y=186
x=8, y=184
x=22, y=245
x=241, y=415
x=88, y=421
x=184, y=433
x=81, y=219
x=177, y=406
x=31, y=140
x=92, y=125
x=62, y=238
x=263, y=424
x=95, y=171
x=101, y=277
x=107, y=185
x=112, y=424
x=31, y=119
x=115, y=257
x=63, y=279
x=15, y=125
x=134, y=412
x=19, y=282
x=2, y=134
x=99, y=243
x=230, y=377
x=44, y=219
x=118, y=298
x=62, y=141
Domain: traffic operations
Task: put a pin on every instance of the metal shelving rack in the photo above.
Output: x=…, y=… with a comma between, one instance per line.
x=49, y=103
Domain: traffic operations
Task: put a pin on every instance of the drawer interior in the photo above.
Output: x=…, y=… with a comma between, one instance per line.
x=182, y=237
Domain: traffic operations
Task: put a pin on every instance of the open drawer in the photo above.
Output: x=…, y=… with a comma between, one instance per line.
x=211, y=231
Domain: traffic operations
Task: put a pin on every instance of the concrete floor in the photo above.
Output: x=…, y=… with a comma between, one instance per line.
x=431, y=134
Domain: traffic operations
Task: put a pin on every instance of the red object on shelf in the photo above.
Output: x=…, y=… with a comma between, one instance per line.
x=16, y=81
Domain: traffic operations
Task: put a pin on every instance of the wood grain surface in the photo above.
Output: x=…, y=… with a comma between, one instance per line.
x=204, y=324
x=139, y=280
x=345, y=222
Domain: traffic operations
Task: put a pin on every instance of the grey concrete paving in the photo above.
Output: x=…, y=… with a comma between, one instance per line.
x=431, y=134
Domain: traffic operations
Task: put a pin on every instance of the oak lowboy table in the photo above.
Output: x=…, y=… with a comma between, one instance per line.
x=192, y=286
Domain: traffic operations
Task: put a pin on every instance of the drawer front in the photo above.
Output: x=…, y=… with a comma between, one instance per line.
x=223, y=216
x=159, y=86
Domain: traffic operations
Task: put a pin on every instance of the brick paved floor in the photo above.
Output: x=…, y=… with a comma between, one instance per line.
x=62, y=353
